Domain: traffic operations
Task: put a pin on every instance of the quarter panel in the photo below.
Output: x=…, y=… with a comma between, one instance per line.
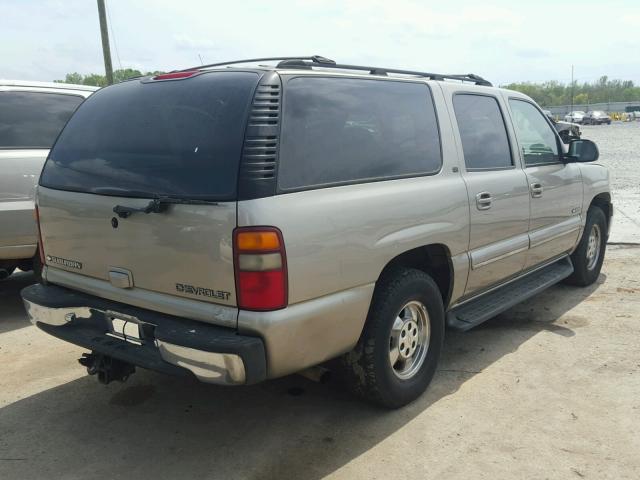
x=342, y=237
x=20, y=171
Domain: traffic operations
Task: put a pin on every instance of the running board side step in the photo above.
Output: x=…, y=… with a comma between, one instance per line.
x=478, y=310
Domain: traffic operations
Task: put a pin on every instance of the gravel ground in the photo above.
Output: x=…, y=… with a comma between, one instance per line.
x=619, y=145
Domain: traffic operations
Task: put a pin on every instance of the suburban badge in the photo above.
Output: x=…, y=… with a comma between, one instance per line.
x=64, y=262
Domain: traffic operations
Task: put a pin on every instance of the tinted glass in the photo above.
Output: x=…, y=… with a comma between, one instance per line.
x=34, y=120
x=535, y=136
x=178, y=138
x=343, y=130
x=484, y=137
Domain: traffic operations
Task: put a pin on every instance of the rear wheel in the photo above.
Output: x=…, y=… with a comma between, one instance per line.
x=588, y=257
x=397, y=354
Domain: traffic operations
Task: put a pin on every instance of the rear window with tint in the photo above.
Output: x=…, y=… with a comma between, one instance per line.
x=179, y=138
x=34, y=120
x=338, y=130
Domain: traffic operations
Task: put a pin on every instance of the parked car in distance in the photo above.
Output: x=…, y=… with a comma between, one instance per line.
x=238, y=223
x=567, y=131
x=596, y=117
x=574, y=117
x=31, y=117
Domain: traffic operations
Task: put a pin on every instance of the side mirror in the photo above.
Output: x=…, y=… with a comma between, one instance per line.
x=582, y=151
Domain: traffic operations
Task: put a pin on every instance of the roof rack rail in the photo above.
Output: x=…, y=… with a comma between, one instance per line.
x=469, y=77
x=317, y=61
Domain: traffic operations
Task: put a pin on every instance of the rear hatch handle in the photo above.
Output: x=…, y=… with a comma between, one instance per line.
x=157, y=205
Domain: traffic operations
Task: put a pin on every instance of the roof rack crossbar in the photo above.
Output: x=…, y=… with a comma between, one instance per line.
x=318, y=61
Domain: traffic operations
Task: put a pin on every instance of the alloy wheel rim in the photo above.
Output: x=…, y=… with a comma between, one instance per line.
x=409, y=340
x=593, y=247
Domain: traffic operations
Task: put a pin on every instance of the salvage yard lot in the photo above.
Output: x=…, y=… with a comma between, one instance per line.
x=549, y=389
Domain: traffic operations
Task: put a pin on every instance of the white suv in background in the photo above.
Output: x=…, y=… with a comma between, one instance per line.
x=31, y=117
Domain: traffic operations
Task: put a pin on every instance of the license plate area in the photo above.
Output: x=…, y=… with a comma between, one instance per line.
x=124, y=327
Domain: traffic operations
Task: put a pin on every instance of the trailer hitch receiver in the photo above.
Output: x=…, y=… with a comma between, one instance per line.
x=107, y=368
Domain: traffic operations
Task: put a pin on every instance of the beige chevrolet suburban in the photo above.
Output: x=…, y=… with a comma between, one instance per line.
x=31, y=117
x=243, y=221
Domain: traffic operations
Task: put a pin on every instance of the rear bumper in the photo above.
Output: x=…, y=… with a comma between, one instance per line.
x=170, y=344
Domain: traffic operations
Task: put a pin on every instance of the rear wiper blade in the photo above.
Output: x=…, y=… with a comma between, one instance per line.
x=158, y=205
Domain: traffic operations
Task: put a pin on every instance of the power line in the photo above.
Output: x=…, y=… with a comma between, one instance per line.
x=113, y=35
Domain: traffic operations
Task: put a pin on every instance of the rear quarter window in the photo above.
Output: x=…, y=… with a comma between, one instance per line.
x=33, y=119
x=338, y=131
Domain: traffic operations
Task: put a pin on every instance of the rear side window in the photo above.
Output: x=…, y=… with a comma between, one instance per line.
x=537, y=140
x=485, y=143
x=34, y=120
x=338, y=130
x=179, y=138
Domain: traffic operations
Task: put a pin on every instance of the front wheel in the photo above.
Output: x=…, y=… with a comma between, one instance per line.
x=588, y=256
x=397, y=354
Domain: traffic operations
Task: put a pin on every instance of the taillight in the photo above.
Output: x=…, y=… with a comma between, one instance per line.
x=260, y=268
x=36, y=213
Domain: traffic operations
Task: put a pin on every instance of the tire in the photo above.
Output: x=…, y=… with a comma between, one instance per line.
x=586, y=267
x=368, y=368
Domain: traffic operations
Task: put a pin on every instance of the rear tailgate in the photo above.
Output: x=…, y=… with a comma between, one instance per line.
x=177, y=140
x=184, y=251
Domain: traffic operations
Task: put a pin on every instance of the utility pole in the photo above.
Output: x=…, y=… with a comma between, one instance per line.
x=571, y=88
x=106, y=51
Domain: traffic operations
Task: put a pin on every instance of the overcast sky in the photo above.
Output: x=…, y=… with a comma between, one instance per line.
x=504, y=41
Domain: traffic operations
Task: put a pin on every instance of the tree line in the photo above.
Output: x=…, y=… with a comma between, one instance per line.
x=603, y=90
x=545, y=94
x=97, y=80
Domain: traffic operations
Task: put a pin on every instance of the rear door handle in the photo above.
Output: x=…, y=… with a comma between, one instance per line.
x=484, y=200
x=536, y=190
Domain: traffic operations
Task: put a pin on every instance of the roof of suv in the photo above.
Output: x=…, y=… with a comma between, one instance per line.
x=308, y=64
x=46, y=85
